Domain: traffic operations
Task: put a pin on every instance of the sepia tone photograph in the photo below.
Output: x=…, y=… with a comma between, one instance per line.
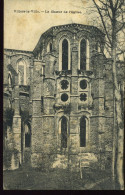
x=63, y=95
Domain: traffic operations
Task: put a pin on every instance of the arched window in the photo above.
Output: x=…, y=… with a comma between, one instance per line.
x=21, y=68
x=83, y=54
x=64, y=132
x=27, y=136
x=83, y=125
x=65, y=55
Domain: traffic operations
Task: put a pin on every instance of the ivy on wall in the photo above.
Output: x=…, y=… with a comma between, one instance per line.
x=26, y=118
x=8, y=116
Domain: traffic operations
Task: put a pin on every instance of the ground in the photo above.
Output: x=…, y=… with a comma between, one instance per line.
x=31, y=179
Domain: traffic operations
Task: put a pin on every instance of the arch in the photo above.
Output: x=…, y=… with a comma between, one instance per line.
x=64, y=54
x=83, y=131
x=20, y=54
x=84, y=54
x=21, y=69
x=64, y=31
x=27, y=135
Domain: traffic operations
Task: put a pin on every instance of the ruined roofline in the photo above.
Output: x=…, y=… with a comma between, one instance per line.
x=16, y=50
x=62, y=26
x=80, y=25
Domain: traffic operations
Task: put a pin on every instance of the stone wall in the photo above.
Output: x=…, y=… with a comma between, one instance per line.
x=41, y=97
x=51, y=92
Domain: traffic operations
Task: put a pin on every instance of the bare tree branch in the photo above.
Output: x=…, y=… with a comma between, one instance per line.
x=111, y=4
x=116, y=4
x=102, y=21
x=102, y=2
x=112, y=19
x=122, y=3
x=109, y=14
x=120, y=53
x=120, y=28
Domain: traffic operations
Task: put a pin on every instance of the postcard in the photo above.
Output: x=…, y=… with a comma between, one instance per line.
x=63, y=95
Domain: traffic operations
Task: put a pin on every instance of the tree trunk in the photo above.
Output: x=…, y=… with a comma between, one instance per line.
x=111, y=10
x=118, y=124
x=120, y=149
x=114, y=142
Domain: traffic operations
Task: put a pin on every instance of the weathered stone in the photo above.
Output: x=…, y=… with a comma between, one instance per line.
x=52, y=107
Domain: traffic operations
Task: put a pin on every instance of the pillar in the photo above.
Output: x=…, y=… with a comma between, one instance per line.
x=16, y=156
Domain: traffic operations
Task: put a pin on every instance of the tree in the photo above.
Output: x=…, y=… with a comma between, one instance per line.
x=112, y=20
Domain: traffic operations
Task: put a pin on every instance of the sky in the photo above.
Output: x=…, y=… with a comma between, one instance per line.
x=23, y=30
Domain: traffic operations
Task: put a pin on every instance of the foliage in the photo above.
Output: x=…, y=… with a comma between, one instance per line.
x=25, y=116
x=8, y=116
x=101, y=14
x=63, y=72
x=66, y=108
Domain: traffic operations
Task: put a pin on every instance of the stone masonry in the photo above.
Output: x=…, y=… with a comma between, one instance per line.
x=62, y=114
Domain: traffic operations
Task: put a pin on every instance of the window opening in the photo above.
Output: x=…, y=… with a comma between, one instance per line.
x=64, y=97
x=83, y=132
x=64, y=84
x=65, y=55
x=64, y=132
x=83, y=84
x=83, y=97
x=83, y=54
x=27, y=136
x=50, y=47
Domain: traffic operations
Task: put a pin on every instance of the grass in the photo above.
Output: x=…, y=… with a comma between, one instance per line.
x=58, y=179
